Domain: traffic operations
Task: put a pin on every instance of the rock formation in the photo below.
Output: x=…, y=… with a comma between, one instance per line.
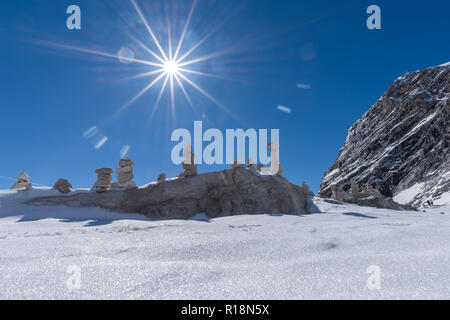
x=369, y=197
x=104, y=179
x=237, y=164
x=401, y=142
x=339, y=194
x=124, y=175
x=354, y=188
x=162, y=177
x=190, y=168
x=275, y=158
x=275, y=166
x=306, y=189
x=371, y=191
x=63, y=186
x=250, y=163
x=23, y=182
x=223, y=193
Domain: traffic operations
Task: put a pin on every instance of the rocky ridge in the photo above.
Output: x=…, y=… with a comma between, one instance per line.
x=230, y=192
x=401, y=142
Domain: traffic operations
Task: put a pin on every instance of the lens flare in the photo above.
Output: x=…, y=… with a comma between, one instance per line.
x=125, y=55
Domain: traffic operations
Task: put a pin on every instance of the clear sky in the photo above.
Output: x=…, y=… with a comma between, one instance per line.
x=316, y=58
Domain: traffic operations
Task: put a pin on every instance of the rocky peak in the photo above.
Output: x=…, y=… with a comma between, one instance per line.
x=401, y=141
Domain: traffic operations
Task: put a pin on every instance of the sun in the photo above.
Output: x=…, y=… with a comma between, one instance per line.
x=171, y=68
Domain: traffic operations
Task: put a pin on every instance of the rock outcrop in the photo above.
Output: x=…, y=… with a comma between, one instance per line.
x=275, y=158
x=124, y=175
x=306, y=189
x=104, y=179
x=237, y=164
x=251, y=163
x=368, y=197
x=23, y=182
x=162, y=177
x=190, y=168
x=63, y=186
x=223, y=193
x=401, y=142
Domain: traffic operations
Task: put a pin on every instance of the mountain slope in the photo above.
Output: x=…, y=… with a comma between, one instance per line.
x=402, y=142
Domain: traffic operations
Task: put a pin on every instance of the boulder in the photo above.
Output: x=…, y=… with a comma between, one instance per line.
x=23, y=182
x=190, y=169
x=124, y=175
x=162, y=177
x=104, y=171
x=21, y=185
x=104, y=179
x=126, y=169
x=63, y=186
x=126, y=162
x=23, y=177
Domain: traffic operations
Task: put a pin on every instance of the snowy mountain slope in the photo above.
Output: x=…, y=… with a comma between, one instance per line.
x=324, y=255
x=402, y=141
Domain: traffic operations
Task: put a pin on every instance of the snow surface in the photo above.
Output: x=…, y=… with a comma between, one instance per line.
x=407, y=196
x=444, y=199
x=317, y=256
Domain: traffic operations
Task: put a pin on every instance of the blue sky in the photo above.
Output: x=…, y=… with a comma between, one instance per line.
x=50, y=96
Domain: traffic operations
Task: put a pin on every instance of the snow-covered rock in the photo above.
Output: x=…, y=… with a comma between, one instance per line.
x=23, y=182
x=402, y=142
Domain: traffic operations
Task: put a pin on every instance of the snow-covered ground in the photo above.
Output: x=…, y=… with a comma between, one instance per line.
x=44, y=251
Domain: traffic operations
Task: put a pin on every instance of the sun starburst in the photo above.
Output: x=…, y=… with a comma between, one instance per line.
x=172, y=69
x=171, y=66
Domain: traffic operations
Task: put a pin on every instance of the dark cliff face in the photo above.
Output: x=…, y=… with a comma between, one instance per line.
x=402, y=141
